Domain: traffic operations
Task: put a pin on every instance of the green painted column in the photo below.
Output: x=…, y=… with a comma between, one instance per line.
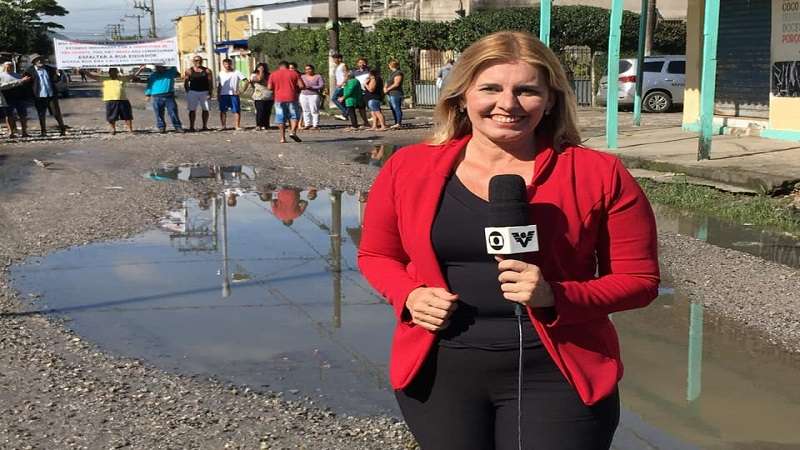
x=336, y=256
x=708, y=78
x=612, y=102
x=694, y=372
x=545, y=7
x=637, y=99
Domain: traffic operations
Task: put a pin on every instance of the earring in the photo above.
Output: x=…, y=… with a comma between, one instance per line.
x=546, y=112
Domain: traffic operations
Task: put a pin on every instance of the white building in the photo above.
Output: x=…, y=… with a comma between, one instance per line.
x=279, y=15
x=371, y=11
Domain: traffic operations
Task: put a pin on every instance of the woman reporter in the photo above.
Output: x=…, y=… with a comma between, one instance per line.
x=507, y=108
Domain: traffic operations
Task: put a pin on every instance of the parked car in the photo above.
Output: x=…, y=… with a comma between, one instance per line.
x=62, y=85
x=664, y=81
x=144, y=75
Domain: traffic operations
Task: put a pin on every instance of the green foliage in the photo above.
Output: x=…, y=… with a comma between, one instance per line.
x=758, y=210
x=396, y=38
x=670, y=38
x=466, y=30
x=22, y=28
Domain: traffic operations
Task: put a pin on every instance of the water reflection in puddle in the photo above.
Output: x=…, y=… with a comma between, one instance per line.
x=378, y=156
x=263, y=290
x=769, y=245
x=190, y=172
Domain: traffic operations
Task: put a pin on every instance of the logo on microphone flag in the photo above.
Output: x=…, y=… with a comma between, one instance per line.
x=511, y=240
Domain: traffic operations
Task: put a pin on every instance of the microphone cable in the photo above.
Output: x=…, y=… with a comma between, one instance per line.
x=518, y=313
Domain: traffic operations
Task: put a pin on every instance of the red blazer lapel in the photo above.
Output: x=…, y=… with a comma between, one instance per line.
x=423, y=201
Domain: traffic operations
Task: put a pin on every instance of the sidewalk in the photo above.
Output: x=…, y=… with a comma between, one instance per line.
x=754, y=163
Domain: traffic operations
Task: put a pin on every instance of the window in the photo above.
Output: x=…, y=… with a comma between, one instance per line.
x=653, y=66
x=676, y=67
x=624, y=65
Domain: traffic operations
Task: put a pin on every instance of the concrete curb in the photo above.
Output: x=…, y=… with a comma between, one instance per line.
x=764, y=183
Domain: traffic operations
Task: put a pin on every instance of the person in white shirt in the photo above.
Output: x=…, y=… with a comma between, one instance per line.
x=229, y=81
x=340, y=78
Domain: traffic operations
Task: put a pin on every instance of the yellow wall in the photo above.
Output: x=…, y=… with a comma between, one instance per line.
x=191, y=32
x=694, y=53
x=784, y=113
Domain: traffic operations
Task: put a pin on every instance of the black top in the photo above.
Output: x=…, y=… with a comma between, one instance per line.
x=398, y=91
x=378, y=94
x=484, y=319
x=198, y=81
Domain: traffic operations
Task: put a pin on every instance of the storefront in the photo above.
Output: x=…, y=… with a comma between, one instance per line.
x=758, y=67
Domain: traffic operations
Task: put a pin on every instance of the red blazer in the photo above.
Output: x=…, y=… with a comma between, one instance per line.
x=598, y=251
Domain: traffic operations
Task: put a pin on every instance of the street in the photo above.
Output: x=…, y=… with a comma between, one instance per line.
x=58, y=390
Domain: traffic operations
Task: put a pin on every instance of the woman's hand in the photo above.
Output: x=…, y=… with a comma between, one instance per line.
x=431, y=308
x=523, y=283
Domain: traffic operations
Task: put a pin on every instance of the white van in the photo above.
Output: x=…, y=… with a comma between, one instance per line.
x=664, y=82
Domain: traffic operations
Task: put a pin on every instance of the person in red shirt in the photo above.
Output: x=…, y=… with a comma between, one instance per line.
x=286, y=85
x=508, y=108
x=288, y=206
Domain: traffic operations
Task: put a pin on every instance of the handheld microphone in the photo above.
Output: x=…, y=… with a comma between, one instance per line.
x=508, y=232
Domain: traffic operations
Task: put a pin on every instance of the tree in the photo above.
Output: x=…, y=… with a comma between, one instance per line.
x=22, y=27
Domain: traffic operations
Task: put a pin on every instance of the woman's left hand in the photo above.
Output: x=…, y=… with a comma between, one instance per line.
x=524, y=283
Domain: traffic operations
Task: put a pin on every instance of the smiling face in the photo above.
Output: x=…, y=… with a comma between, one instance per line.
x=506, y=102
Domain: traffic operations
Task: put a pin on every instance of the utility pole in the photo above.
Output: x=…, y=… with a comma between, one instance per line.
x=210, y=45
x=218, y=31
x=138, y=18
x=151, y=9
x=225, y=9
x=333, y=44
x=651, y=27
x=199, y=26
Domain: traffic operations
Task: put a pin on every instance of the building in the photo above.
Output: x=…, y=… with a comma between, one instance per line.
x=758, y=68
x=282, y=14
x=190, y=30
x=236, y=25
x=371, y=11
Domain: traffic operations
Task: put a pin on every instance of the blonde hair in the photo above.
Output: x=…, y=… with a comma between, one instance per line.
x=452, y=122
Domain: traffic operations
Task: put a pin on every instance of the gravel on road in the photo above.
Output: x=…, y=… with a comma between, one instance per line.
x=59, y=391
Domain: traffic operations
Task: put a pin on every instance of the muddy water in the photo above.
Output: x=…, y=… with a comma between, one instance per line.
x=770, y=245
x=263, y=290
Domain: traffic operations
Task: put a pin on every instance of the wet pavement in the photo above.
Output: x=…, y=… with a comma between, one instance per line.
x=262, y=289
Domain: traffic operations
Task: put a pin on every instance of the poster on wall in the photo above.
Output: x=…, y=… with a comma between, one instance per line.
x=79, y=54
x=785, y=77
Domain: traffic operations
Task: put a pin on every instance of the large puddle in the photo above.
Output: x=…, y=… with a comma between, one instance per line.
x=262, y=289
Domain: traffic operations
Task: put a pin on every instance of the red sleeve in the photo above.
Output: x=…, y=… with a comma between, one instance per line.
x=627, y=255
x=381, y=256
x=270, y=84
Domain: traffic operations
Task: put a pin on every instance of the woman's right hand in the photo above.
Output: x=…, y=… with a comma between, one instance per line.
x=431, y=308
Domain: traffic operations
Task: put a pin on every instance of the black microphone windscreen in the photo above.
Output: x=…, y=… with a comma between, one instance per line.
x=508, y=201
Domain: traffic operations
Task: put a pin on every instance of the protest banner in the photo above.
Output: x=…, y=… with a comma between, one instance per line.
x=79, y=54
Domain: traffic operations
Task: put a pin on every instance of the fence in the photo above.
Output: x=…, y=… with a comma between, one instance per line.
x=577, y=62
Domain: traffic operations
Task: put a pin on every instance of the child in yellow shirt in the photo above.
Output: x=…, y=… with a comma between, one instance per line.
x=117, y=105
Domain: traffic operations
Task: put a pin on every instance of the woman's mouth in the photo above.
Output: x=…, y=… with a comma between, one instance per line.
x=501, y=118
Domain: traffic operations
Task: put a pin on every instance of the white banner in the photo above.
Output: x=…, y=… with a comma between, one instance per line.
x=785, y=49
x=75, y=54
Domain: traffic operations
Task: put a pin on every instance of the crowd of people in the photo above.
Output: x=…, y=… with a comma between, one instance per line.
x=36, y=85
x=296, y=98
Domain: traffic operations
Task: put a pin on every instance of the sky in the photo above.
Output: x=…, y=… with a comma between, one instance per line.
x=87, y=19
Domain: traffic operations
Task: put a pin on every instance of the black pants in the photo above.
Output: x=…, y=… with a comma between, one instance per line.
x=263, y=111
x=466, y=399
x=351, y=113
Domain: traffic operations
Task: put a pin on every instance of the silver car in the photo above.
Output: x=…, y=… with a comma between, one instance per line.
x=664, y=82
